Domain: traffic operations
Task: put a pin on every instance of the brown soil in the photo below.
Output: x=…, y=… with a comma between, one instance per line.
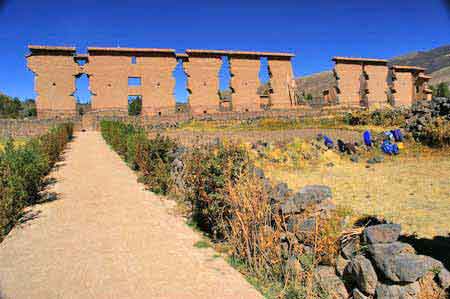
x=106, y=237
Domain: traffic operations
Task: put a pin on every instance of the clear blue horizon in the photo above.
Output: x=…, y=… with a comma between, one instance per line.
x=313, y=30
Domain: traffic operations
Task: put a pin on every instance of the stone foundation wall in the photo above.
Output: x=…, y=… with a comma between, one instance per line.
x=29, y=128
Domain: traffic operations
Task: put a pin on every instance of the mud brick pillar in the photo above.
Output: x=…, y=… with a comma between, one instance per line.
x=281, y=76
x=55, y=70
x=202, y=69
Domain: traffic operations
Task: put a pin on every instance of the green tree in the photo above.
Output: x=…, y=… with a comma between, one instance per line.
x=442, y=90
x=9, y=107
x=135, y=105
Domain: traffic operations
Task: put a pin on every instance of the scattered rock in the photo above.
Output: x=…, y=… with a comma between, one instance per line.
x=444, y=278
x=357, y=294
x=382, y=233
x=301, y=226
x=374, y=160
x=306, y=197
x=409, y=291
x=363, y=274
x=354, y=158
x=330, y=282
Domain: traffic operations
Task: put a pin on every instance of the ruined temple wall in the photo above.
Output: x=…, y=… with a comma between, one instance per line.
x=404, y=88
x=203, y=83
x=376, y=84
x=108, y=81
x=349, y=76
x=54, y=84
x=281, y=76
x=245, y=83
x=109, y=75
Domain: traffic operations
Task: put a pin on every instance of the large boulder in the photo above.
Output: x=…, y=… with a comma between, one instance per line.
x=408, y=291
x=314, y=195
x=330, y=282
x=363, y=273
x=382, y=233
x=406, y=267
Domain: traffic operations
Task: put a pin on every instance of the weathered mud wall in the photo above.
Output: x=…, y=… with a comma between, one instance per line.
x=202, y=69
x=109, y=71
x=348, y=78
x=362, y=81
x=245, y=82
x=376, y=83
x=281, y=76
x=54, y=83
x=403, y=88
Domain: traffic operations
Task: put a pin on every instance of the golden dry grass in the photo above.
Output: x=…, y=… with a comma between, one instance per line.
x=412, y=189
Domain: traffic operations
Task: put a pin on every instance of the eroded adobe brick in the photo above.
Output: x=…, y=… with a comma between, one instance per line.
x=55, y=70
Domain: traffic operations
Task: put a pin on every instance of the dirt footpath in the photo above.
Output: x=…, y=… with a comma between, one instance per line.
x=106, y=237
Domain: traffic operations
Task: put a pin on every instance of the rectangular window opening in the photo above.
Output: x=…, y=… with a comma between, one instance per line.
x=134, y=81
x=133, y=59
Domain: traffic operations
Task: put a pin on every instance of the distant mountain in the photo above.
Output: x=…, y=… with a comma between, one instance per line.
x=436, y=62
x=432, y=60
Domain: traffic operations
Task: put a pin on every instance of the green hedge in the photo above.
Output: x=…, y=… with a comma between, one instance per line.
x=151, y=157
x=23, y=169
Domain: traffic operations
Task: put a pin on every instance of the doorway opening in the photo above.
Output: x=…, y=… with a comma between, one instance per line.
x=225, y=91
x=180, y=91
x=264, y=88
x=82, y=94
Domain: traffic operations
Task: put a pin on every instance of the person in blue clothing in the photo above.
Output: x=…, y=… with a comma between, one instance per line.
x=328, y=141
x=367, y=138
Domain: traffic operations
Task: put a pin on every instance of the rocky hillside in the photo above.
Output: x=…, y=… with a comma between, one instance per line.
x=435, y=61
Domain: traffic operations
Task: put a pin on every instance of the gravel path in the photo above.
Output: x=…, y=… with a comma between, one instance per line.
x=106, y=237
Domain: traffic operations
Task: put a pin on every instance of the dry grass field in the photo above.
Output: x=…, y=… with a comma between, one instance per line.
x=412, y=189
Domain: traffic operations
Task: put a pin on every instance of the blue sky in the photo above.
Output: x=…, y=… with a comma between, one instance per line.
x=313, y=30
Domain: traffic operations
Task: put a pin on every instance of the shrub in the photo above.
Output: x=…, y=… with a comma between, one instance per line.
x=23, y=169
x=207, y=171
x=152, y=157
x=379, y=117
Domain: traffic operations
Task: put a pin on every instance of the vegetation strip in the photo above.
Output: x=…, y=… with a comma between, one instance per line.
x=23, y=168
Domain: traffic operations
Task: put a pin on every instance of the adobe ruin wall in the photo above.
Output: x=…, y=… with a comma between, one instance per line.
x=110, y=69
